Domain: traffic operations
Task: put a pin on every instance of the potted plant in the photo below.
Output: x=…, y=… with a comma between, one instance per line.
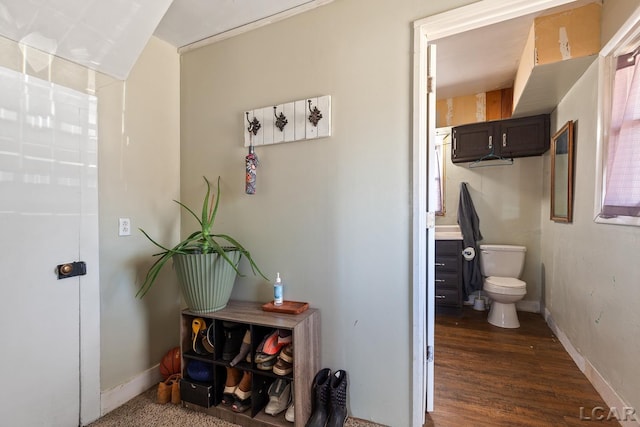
x=206, y=269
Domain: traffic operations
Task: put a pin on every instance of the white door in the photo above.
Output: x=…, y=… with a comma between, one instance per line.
x=48, y=190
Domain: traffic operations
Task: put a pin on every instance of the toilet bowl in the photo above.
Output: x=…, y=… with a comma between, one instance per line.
x=501, y=265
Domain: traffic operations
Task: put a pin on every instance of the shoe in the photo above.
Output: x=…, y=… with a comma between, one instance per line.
x=320, y=391
x=234, y=375
x=272, y=345
x=290, y=415
x=243, y=391
x=176, y=399
x=207, y=339
x=233, y=334
x=244, y=349
x=241, y=405
x=287, y=353
x=267, y=365
x=279, y=396
x=282, y=368
x=198, y=332
x=338, y=396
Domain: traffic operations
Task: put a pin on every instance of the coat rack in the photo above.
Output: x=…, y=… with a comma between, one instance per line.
x=300, y=120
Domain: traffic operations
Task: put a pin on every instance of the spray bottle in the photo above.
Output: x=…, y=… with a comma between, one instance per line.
x=277, y=291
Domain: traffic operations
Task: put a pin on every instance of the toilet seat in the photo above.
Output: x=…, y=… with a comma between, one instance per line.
x=505, y=285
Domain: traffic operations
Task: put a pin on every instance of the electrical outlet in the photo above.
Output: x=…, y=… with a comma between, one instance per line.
x=124, y=227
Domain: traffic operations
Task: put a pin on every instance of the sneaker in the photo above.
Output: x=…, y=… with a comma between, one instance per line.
x=290, y=415
x=282, y=367
x=279, y=396
x=287, y=353
x=244, y=349
x=198, y=332
x=273, y=343
x=267, y=365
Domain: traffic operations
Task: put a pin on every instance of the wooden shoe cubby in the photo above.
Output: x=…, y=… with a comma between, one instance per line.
x=207, y=396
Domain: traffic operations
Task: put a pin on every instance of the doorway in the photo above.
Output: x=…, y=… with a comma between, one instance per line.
x=426, y=31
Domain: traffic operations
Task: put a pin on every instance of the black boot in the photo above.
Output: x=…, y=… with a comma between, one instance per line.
x=320, y=390
x=338, y=398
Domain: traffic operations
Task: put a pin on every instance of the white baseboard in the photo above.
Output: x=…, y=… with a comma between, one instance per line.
x=115, y=397
x=603, y=388
x=530, y=306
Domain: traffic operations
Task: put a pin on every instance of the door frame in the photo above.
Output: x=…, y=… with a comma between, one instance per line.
x=425, y=31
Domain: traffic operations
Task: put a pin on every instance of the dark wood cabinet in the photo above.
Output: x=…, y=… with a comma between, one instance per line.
x=521, y=137
x=448, y=274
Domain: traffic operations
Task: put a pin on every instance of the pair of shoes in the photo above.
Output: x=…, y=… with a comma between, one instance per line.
x=234, y=375
x=270, y=347
x=169, y=390
x=284, y=364
x=279, y=396
x=233, y=336
x=330, y=399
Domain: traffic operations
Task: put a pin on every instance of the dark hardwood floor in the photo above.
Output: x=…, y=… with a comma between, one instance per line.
x=490, y=376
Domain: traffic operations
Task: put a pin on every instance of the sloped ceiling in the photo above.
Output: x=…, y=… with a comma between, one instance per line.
x=104, y=35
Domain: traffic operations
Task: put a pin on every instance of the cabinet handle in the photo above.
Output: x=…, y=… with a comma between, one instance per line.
x=455, y=144
x=439, y=264
x=490, y=142
x=504, y=139
x=439, y=280
x=440, y=297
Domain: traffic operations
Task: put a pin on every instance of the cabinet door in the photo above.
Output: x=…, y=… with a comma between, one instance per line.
x=528, y=136
x=471, y=142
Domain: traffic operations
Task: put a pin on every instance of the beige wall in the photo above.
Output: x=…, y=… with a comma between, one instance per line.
x=139, y=176
x=333, y=215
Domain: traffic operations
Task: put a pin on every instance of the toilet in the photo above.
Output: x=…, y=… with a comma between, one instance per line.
x=501, y=266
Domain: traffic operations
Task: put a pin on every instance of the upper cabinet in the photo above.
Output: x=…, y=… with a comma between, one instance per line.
x=558, y=51
x=521, y=137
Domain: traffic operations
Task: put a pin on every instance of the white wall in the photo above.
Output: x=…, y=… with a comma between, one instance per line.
x=333, y=216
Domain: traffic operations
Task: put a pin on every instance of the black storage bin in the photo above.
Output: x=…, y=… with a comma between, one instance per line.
x=196, y=392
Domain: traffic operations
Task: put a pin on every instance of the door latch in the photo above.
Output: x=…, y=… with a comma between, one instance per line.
x=71, y=269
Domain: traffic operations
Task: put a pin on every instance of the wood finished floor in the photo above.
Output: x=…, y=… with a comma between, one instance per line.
x=490, y=376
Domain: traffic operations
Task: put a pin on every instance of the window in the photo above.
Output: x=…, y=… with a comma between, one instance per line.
x=618, y=173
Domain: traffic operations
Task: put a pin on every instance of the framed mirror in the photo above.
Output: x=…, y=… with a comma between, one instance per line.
x=562, y=174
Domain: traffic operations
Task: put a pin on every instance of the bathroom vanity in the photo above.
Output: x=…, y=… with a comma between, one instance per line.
x=448, y=269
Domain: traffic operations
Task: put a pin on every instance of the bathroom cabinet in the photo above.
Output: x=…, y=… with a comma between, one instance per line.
x=510, y=138
x=448, y=275
x=207, y=396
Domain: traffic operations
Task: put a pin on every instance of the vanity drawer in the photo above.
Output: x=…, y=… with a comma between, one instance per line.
x=446, y=263
x=446, y=279
x=448, y=247
x=447, y=297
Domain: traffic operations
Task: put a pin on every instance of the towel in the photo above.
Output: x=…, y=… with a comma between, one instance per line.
x=471, y=235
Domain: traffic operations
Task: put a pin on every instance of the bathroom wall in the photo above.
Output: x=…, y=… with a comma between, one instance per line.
x=507, y=200
x=590, y=271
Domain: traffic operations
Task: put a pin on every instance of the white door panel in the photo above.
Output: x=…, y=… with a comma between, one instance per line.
x=45, y=137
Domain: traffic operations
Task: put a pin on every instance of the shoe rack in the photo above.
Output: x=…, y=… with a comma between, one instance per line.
x=207, y=396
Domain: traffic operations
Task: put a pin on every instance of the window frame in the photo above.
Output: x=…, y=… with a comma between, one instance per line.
x=620, y=43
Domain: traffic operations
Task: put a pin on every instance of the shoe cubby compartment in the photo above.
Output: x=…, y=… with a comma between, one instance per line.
x=207, y=396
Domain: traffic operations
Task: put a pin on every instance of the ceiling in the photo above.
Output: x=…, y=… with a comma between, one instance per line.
x=108, y=36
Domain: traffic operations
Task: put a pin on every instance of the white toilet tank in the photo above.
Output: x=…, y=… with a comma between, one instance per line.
x=502, y=260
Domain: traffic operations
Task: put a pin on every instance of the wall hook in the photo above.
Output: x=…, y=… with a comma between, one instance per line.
x=315, y=115
x=281, y=120
x=254, y=125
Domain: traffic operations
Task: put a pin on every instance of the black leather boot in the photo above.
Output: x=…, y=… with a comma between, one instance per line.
x=338, y=399
x=320, y=390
